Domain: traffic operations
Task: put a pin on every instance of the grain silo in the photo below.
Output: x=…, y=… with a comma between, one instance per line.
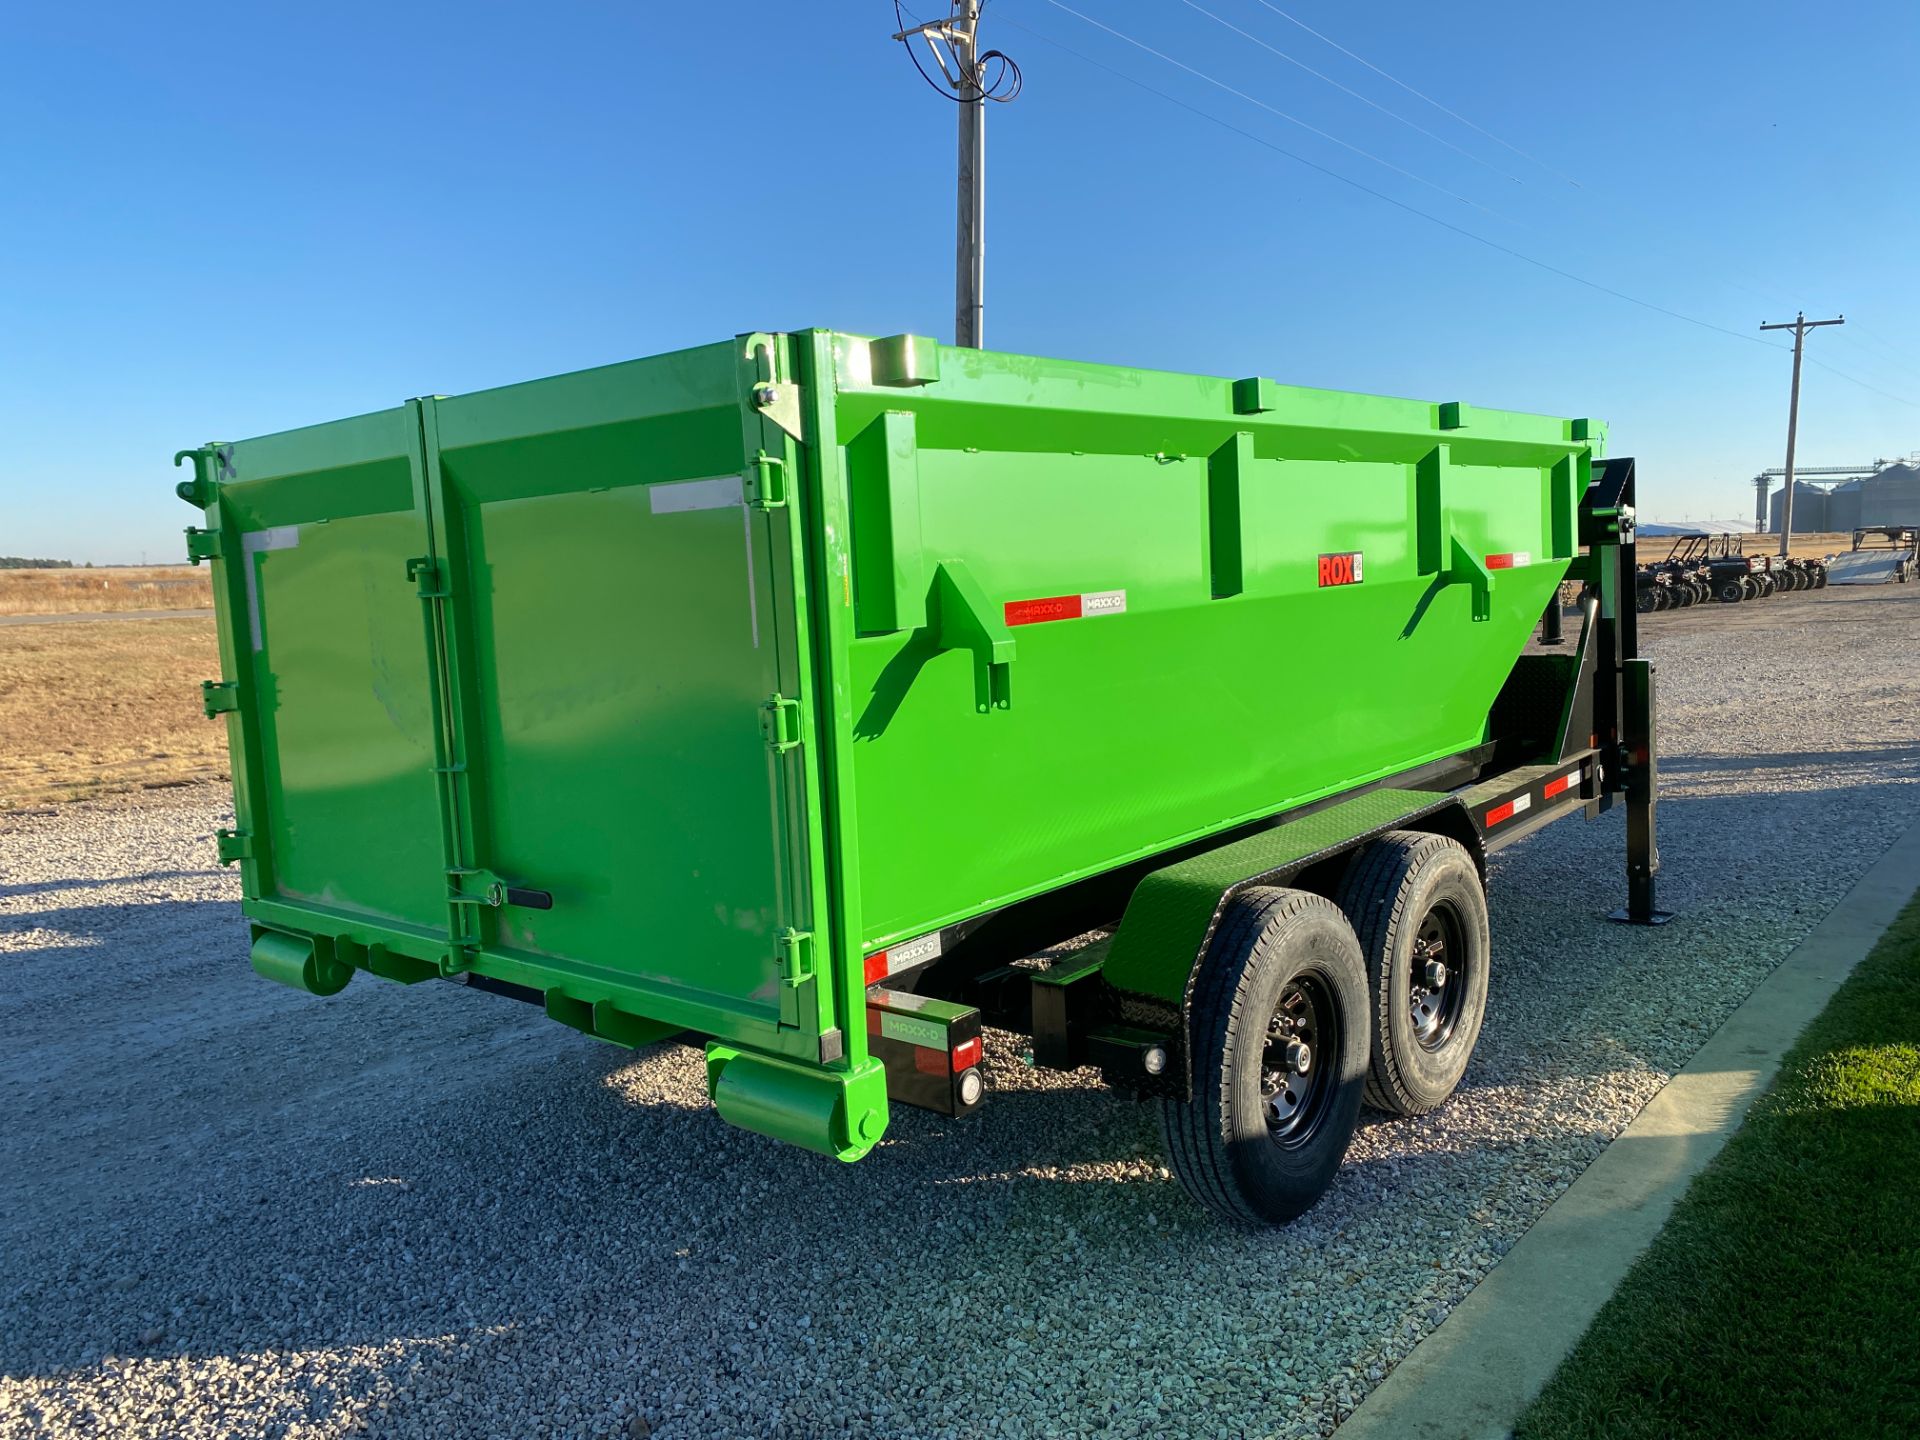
x=1890, y=496
x=1843, y=505
x=1809, y=509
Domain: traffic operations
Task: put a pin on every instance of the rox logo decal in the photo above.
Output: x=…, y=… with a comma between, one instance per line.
x=1341, y=569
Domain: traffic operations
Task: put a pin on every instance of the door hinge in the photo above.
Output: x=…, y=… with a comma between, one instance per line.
x=795, y=958
x=233, y=845
x=767, y=483
x=202, y=544
x=780, y=723
x=425, y=572
x=219, y=696
x=796, y=955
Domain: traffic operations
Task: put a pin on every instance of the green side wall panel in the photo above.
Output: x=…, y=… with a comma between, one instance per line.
x=1222, y=683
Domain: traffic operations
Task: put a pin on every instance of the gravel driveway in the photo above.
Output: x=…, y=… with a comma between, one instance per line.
x=229, y=1209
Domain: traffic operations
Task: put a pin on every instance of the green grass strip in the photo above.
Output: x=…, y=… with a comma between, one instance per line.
x=1783, y=1297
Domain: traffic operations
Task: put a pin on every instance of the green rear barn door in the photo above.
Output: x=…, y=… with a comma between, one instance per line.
x=329, y=632
x=626, y=640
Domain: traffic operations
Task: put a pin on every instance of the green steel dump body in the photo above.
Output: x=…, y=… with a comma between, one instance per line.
x=675, y=692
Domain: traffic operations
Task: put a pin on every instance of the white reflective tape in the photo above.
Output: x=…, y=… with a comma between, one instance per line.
x=1522, y=802
x=1103, y=602
x=716, y=492
x=278, y=537
x=904, y=1000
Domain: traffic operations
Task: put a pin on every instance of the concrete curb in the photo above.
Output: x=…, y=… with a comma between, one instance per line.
x=1471, y=1378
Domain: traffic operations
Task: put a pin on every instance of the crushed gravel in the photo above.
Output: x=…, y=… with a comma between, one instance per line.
x=227, y=1209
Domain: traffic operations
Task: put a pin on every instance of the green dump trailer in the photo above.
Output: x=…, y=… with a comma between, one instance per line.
x=780, y=695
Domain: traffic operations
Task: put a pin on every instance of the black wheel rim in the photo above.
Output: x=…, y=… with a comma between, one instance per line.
x=1437, y=981
x=1300, y=1067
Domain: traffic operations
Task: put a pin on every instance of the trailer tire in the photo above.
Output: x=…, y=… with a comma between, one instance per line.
x=1248, y=1145
x=1416, y=898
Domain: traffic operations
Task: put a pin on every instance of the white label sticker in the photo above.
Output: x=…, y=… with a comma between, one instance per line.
x=914, y=952
x=925, y=1033
x=717, y=492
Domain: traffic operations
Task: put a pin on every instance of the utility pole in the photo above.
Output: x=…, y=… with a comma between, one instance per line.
x=964, y=67
x=1800, y=326
x=970, y=210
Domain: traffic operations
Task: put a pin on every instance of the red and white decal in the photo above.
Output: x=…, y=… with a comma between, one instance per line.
x=895, y=958
x=1066, y=607
x=1512, y=561
x=1341, y=569
x=1559, y=785
x=1516, y=806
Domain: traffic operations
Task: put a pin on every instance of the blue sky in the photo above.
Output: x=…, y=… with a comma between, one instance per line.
x=217, y=221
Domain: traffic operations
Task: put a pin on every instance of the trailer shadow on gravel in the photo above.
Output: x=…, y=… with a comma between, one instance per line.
x=1902, y=755
x=81, y=882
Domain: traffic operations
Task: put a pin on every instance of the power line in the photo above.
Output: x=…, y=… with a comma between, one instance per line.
x=1270, y=109
x=1361, y=59
x=1345, y=90
x=1421, y=94
x=1884, y=354
x=1494, y=245
x=1367, y=189
x=1835, y=370
x=1718, y=276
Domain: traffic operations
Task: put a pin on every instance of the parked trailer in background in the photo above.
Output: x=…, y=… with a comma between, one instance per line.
x=1880, y=554
x=782, y=693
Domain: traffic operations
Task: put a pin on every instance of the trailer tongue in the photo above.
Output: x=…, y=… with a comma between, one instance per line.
x=782, y=693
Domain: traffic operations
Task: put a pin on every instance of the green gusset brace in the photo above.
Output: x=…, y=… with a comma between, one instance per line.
x=1439, y=550
x=1467, y=568
x=962, y=618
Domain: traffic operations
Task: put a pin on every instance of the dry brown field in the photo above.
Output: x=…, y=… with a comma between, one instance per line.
x=96, y=706
x=72, y=592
